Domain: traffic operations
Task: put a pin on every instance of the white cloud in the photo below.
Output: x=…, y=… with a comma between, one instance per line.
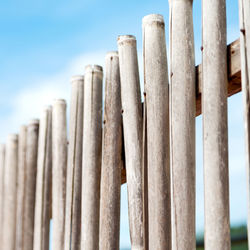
x=29, y=102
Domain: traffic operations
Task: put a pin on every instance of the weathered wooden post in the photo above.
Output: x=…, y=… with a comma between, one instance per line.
x=132, y=124
x=111, y=157
x=30, y=184
x=215, y=130
x=244, y=7
x=74, y=169
x=10, y=190
x=22, y=145
x=59, y=167
x=2, y=163
x=156, y=90
x=91, y=157
x=43, y=182
x=182, y=64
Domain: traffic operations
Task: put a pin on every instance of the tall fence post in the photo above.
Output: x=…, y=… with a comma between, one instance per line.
x=92, y=151
x=59, y=167
x=215, y=129
x=30, y=184
x=111, y=157
x=132, y=124
x=74, y=168
x=244, y=10
x=182, y=64
x=10, y=190
x=43, y=182
x=22, y=146
x=156, y=88
x=2, y=163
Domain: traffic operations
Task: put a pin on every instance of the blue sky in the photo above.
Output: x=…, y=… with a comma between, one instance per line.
x=43, y=43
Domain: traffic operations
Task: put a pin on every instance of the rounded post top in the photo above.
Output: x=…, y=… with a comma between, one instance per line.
x=12, y=137
x=152, y=18
x=59, y=101
x=111, y=54
x=34, y=122
x=126, y=38
x=93, y=69
x=77, y=78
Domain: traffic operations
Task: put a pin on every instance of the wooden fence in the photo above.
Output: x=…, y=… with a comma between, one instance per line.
x=76, y=179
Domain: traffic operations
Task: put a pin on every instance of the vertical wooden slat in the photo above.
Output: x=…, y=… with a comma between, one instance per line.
x=244, y=10
x=132, y=124
x=111, y=157
x=91, y=163
x=21, y=186
x=74, y=168
x=156, y=88
x=43, y=182
x=2, y=163
x=10, y=190
x=30, y=184
x=182, y=63
x=59, y=167
x=215, y=128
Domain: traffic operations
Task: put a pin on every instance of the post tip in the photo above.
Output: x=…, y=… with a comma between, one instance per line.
x=151, y=18
x=34, y=122
x=76, y=78
x=123, y=38
x=12, y=137
x=111, y=54
x=93, y=68
x=59, y=101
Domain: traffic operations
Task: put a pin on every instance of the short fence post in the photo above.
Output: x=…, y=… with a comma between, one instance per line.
x=132, y=124
x=10, y=190
x=215, y=129
x=30, y=184
x=111, y=157
x=43, y=182
x=182, y=79
x=156, y=91
x=59, y=167
x=2, y=163
x=22, y=146
x=244, y=10
x=91, y=157
x=74, y=168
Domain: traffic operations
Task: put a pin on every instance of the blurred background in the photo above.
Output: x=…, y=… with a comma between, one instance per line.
x=44, y=42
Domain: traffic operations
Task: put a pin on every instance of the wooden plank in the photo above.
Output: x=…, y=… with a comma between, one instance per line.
x=234, y=81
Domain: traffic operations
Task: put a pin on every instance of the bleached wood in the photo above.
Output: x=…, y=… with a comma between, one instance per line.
x=59, y=167
x=10, y=190
x=2, y=161
x=30, y=184
x=74, y=168
x=215, y=128
x=22, y=145
x=111, y=157
x=244, y=14
x=156, y=88
x=132, y=125
x=182, y=63
x=91, y=157
x=43, y=182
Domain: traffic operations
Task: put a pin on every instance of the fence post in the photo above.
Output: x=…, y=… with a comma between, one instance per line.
x=22, y=146
x=2, y=163
x=30, y=184
x=156, y=88
x=132, y=124
x=215, y=130
x=10, y=190
x=59, y=167
x=182, y=64
x=91, y=163
x=43, y=182
x=111, y=157
x=74, y=167
x=244, y=10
